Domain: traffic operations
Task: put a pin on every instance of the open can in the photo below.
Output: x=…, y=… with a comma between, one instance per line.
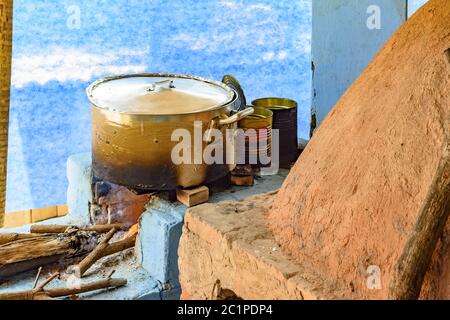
x=285, y=120
x=257, y=130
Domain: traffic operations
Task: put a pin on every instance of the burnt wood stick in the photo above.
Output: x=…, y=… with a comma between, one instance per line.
x=29, y=254
x=110, y=249
x=415, y=260
x=118, y=246
x=92, y=257
x=62, y=228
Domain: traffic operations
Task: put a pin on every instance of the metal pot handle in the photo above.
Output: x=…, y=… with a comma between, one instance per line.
x=237, y=117
x=161, y=85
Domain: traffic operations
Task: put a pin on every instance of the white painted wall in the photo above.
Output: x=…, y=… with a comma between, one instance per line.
x=343, y=45
x=414, y=5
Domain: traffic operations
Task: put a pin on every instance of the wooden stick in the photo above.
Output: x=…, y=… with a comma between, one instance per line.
x=91, y=258
x=415, y=260
x=46, y=282
x=37, y=277
x=93, y=286
x=33, y=294
x=10, y=237
x=110, y=249
x=50, y=294
x=39, y=229
x=118, y=246
x=111, y=274
x=6, y=23
x=43, y=297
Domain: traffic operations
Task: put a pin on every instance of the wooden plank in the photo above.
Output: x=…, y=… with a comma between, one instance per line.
x=17, y=219
x=20, y=218
x=44, y=214
x=62, y=210
x=193, y=197
x=6, y=26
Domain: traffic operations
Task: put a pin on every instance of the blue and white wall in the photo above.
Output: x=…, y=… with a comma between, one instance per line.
x=61, y=46
x=414, y=5
x=346, y=36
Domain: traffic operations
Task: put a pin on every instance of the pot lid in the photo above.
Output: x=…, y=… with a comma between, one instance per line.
x=159, y=94
x=233, y=83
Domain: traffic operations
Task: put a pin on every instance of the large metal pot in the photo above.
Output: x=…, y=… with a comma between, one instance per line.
x=134, y=116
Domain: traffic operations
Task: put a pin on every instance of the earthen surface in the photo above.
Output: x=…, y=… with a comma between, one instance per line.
x=353, y=197
x=229, y=242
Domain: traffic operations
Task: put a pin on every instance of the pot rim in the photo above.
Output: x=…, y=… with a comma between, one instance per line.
x=94, y=85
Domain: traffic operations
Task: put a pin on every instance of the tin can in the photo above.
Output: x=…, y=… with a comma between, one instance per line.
x=258, y=137
x=285, y=120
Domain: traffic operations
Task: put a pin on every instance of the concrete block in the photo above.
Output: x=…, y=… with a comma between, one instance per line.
x=79, y=192
x=168, y=294
x=160, y=229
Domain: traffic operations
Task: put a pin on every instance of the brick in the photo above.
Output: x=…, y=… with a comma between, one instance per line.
x=193, y=197
x=242, y=181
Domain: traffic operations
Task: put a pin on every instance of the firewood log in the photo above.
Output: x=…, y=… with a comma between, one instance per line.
x=31, y=253
x=95, y=255
x=63, y=228
x=10, y=237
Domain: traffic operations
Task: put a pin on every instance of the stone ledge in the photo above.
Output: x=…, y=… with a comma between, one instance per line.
x=229, y=241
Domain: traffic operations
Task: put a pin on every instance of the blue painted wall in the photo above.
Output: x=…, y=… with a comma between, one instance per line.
x=264, y=43
x=343, y=45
